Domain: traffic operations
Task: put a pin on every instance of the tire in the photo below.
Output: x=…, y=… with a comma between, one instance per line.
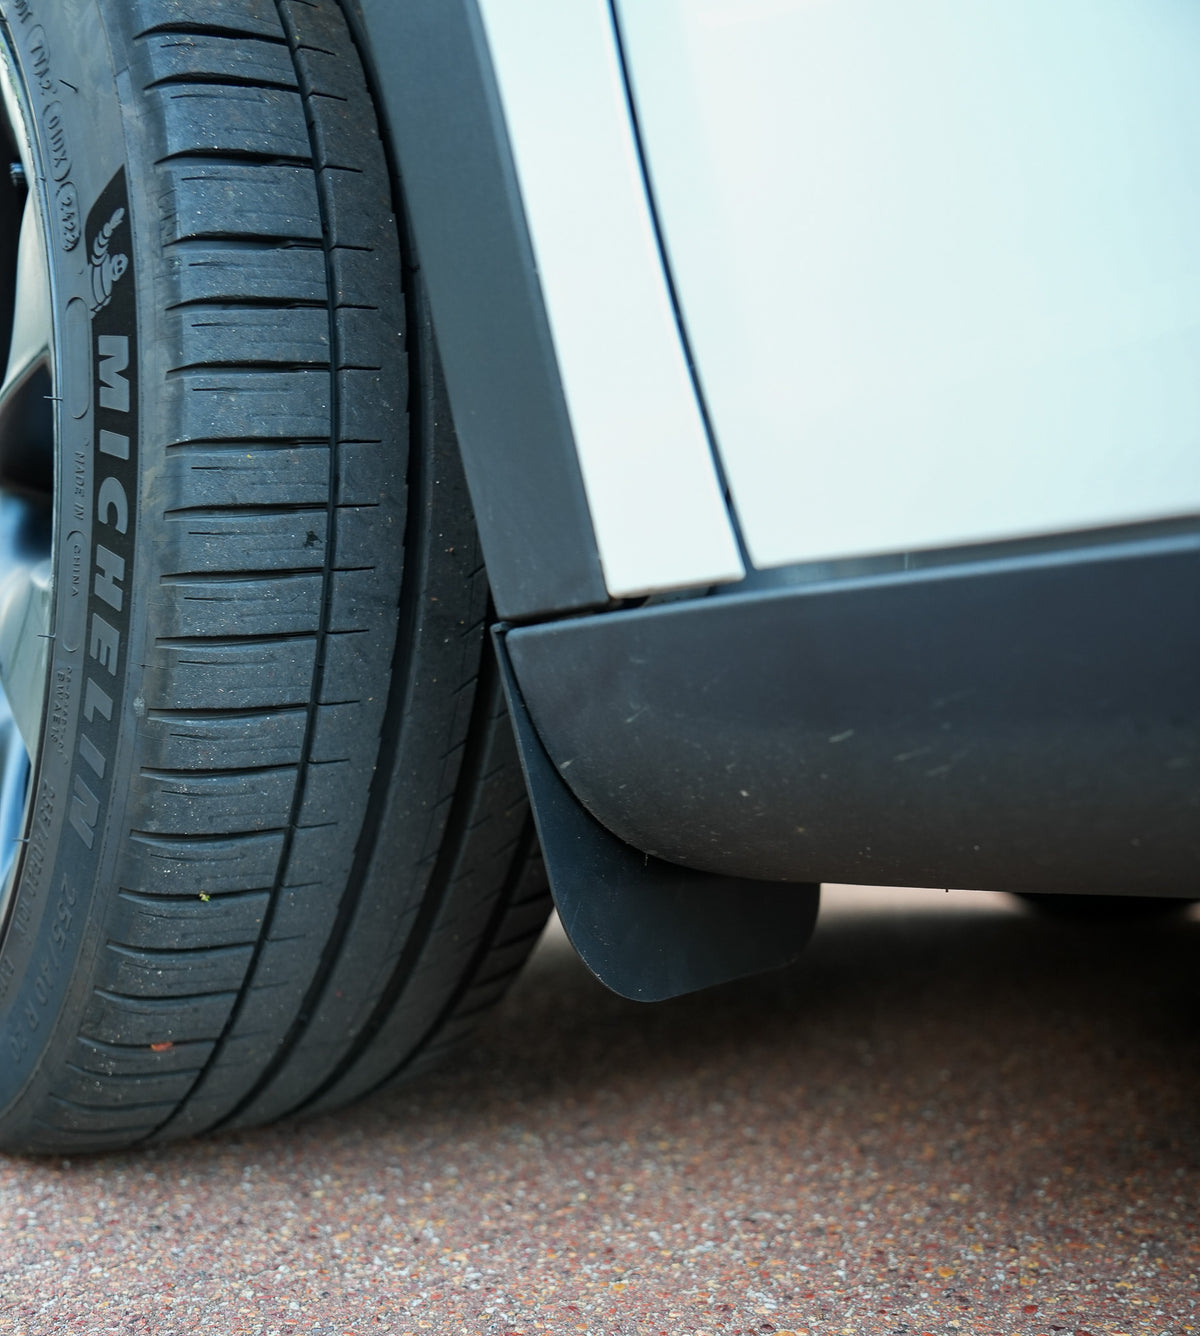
x=277, y=848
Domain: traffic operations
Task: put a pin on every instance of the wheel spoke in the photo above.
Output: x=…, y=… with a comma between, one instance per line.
x=14, y=778
x=29, y=351
x=24, y=615
x=31, y=330
x=28, y=434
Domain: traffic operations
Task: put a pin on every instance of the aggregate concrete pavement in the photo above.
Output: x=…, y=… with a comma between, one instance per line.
x=952, y=1117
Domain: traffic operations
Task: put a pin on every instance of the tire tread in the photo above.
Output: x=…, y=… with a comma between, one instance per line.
x=259, y=958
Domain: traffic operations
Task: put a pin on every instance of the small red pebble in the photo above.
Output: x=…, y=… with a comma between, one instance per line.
x=1030, y=1308
x=161, y=1048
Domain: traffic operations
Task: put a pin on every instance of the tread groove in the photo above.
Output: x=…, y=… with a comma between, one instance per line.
x=487, y=944
x=229, y=157
x=166, y=837
x=243, y=772
x=165, y=1003
x=152, y=952
x=435, y=891
x=169, y=714
x=213, y=81
x=119, y=1078
x=198, y=28
x=245, y=508
x=243, y=241
x=223, y=578
x=230, y=642
x=244, y=368
x=294, y=826
x=148, y=899
x=400, y=669
x=283, y=305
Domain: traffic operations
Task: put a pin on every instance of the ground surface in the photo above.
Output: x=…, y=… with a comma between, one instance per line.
x=951, y=1118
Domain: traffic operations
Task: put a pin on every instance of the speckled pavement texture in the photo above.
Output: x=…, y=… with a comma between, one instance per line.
x=952, y=1117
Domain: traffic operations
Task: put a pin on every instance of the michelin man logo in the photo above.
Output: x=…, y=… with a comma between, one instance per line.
x=107, y=266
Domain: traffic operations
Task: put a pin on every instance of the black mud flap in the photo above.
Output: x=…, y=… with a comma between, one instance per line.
x=649, y=929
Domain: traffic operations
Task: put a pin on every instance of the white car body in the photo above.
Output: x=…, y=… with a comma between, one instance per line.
x=936, y=265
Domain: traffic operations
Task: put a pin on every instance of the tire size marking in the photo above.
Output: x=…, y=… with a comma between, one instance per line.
x=40, y=834
x=52, y=119
x=34, y=867
x=59, y=714
x=114, y=351
x=47, y=973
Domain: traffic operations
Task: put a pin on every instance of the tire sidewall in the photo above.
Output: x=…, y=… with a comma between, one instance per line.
x=70, y=87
